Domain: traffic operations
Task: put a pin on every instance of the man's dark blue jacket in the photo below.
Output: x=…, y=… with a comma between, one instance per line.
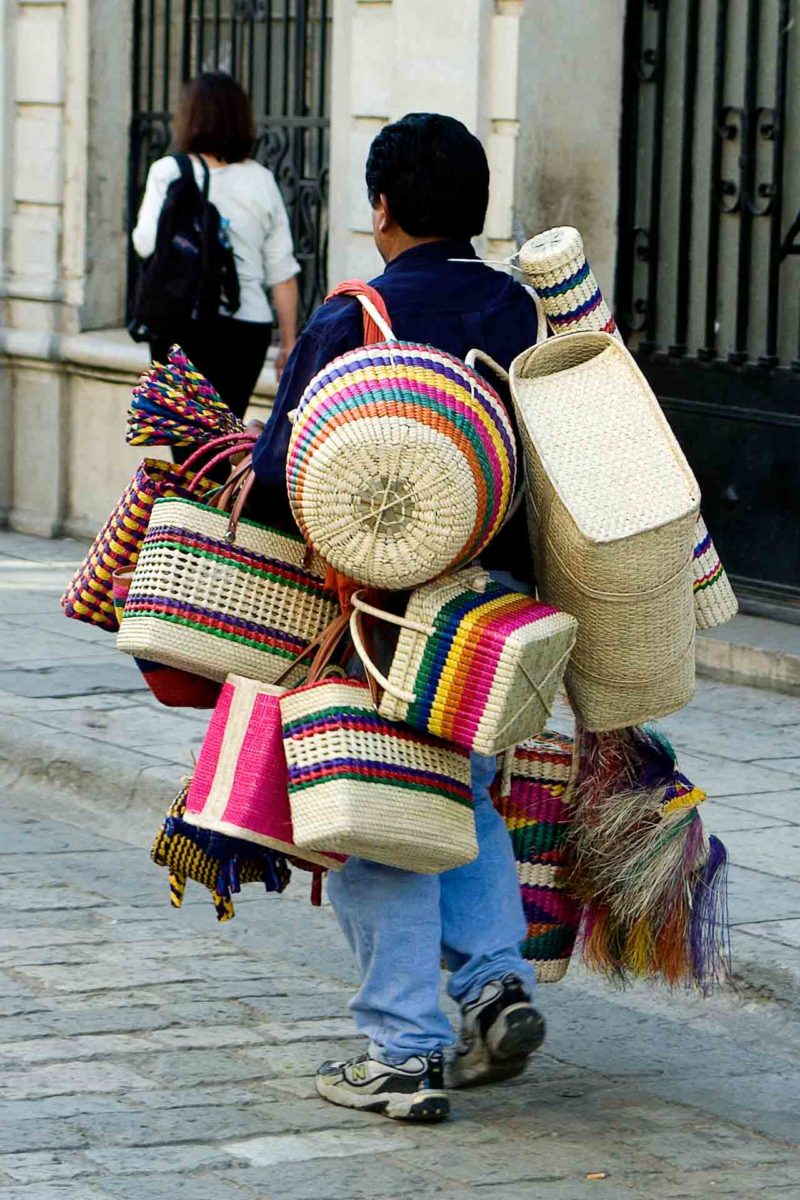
x=454, y=306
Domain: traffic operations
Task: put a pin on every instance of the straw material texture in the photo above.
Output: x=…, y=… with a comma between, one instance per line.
x=534, y=802
x=612, y=514
x=361, y=786
x=485, y=673
x=239, y=783
x=401, y=464
x=556, y=268
x=89, y=594
x=213, y=606
x=714, y=600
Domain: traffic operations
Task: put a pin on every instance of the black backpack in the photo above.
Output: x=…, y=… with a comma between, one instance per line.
x=191, y=275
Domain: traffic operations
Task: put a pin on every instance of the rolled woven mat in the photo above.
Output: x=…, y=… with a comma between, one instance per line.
x=653, y=882
x=556, y=267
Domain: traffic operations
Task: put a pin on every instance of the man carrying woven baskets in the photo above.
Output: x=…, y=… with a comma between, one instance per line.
x=428, y=185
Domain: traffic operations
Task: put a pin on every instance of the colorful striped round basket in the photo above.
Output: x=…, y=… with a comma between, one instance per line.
x=401, y=464
x=535, y=788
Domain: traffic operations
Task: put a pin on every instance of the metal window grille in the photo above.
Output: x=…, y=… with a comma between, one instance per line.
x=280, y=51
x=708, y=275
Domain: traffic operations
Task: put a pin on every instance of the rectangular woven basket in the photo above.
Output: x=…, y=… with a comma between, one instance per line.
x=360, y=785
x=534, y=792
x=215, y=606
x=612, y=506
x=476, y=663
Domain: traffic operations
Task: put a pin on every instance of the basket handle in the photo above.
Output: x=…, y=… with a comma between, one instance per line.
x=476, y=355
x=369, y=665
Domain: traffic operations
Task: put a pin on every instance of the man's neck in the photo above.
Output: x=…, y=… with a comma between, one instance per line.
x=404, y=241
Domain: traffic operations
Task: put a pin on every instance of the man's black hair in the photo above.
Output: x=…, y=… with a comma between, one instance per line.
x=434, y=174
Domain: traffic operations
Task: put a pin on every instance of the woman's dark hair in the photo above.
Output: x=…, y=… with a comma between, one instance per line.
x=434, y=174
x=215, y=117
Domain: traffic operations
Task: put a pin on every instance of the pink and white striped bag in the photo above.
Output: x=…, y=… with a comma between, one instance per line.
x=239, y=784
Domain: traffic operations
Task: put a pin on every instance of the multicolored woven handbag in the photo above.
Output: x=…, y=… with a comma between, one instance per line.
x=534, y=801
x=89, y=594
x=221, y=864
x=360, y=785
x=401, y=463
x=239, y=784
x=170, y=686
x=216, y=595
x=476, y=663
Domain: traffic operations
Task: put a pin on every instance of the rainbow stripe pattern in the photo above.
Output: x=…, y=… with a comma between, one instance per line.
x=361, y=785
x=536, y=810
x=213, y=606
x=486, y=674
x=401, y=463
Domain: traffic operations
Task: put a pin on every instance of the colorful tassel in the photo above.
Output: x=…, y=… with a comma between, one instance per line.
x=222, y=864
x=174, y=405
x=652, y=882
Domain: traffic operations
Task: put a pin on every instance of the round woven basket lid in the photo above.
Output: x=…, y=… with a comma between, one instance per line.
x=401, y=464
x=552, y=249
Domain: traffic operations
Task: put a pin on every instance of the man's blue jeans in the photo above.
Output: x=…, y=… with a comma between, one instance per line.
x=400, y=925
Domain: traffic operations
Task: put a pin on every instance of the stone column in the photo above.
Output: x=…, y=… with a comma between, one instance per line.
x=62, y=203
x=395, y=56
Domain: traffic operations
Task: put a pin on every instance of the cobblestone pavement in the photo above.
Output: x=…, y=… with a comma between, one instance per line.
x=151, y=1054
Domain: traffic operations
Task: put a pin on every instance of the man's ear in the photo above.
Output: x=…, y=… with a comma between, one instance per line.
x=385, y=220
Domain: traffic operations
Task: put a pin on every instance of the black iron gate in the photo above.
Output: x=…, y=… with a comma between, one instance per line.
x=280, y=52
x=708, y=282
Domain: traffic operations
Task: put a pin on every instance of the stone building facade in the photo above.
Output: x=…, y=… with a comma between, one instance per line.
x=518, y=72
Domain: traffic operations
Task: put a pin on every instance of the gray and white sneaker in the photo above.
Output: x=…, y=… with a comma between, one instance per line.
x=408, y=1091
x=499, y=1032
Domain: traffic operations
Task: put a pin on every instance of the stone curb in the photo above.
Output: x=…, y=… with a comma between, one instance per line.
x=100, y=776
x=750, y=666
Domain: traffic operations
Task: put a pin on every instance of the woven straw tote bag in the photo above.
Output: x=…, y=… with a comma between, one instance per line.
x=360, y=785
x=239, y=785
x=88, y=596
x=216, y=594
x=534, y=790
x=401, y=463
x=476, y=663
x=612, y=507
x=554, y=262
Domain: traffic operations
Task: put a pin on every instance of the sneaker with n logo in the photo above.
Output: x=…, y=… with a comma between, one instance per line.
x=409, y=1091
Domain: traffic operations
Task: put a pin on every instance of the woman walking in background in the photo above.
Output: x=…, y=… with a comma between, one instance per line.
x=214, y=125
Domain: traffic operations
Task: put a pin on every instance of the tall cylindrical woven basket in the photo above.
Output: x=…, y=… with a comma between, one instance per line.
x=534, y=788
x=612, y=507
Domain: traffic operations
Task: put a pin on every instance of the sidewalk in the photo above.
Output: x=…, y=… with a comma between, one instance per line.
x=76, y=716
x=148, y=1054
